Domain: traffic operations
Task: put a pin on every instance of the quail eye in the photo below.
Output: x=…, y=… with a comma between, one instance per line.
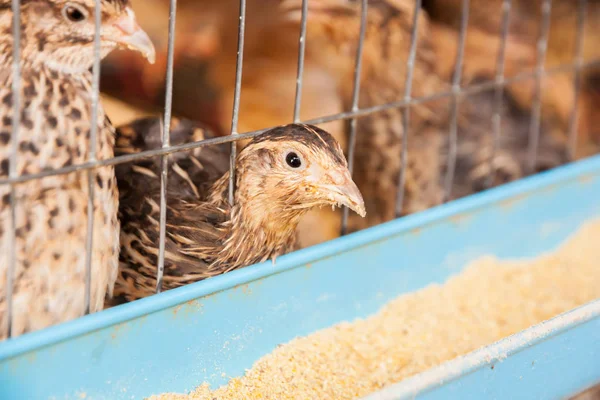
x=293, y=160
x=74, y=13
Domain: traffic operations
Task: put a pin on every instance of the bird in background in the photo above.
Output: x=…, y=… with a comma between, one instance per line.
x=280, y=175
x=480, y=162
x=332, y=38
x=53, y=131
x=269, y=84
x=558, y=90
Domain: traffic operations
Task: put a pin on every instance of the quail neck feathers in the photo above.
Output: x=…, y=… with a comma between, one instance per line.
x=280, y=175
x=53, y=131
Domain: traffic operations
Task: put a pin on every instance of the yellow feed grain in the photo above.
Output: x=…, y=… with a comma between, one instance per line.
x=489, y=300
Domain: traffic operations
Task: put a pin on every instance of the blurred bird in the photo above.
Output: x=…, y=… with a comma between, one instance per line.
x=128, y=78
x=480, y=163
x=558, y=93
x=332, y=36
x=333, y=27
x=57, y=48
x=511, y=158
x=280, y=175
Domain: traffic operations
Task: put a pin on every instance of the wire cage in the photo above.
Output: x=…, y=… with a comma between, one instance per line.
x=67, y=334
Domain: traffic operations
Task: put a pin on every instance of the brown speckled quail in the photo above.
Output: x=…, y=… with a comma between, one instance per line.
x=511, y=157
x=333, y=27
x=558, y=93
x=332, y=37
x=268, y=88
x=54, y=131
x=269, y=84
x=280, y=175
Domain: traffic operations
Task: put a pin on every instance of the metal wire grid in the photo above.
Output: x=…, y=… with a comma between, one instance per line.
x=355, y=94
x=410, y=64
x=536, y=112
x=456, y=78
x=405, y=103
x=498, y=90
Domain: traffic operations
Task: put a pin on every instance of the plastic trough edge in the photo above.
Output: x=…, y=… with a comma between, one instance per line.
x=496, y=352
x=85, y=325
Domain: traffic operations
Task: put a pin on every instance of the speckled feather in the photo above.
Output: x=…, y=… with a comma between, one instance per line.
x=205, y=235
x=333, y=36
x=333, y=39
x=191, y=175
x=54, y=132
x=511, y=160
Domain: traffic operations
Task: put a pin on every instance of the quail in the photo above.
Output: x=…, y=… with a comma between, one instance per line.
x=56, y=54
x=280, y=175
x=268, y=84
x=525, y=16
x=333, y=28
x=268, y=89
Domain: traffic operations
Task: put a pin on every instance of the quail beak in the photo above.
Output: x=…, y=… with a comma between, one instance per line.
x=130, y=35
x=344, y=192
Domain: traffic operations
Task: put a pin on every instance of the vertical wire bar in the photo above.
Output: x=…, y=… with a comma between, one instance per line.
x=301, y=51
x=499, y=91
x=91, y=173
x=572, y=134
x=236, y=96
x=536, y=114
x=410, y=66
x=453, y=133
x=16, y=121
x=355, y=96
x=166, y=142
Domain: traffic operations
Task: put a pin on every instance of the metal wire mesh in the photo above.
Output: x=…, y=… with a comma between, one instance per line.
x=455, y=94
x=236, y=97
x=536, y=114
x=355, y=98
x=166, y=142
x=410, y=66
x=499, y=89
x=301, y=53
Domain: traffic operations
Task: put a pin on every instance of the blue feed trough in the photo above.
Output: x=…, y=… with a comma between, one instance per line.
x=175, y=341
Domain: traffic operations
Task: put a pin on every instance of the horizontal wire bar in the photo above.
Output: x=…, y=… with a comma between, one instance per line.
x=355, y=98
x=467, y=90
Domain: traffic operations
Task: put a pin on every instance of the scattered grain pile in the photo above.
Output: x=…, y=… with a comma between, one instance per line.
x=488, y=301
